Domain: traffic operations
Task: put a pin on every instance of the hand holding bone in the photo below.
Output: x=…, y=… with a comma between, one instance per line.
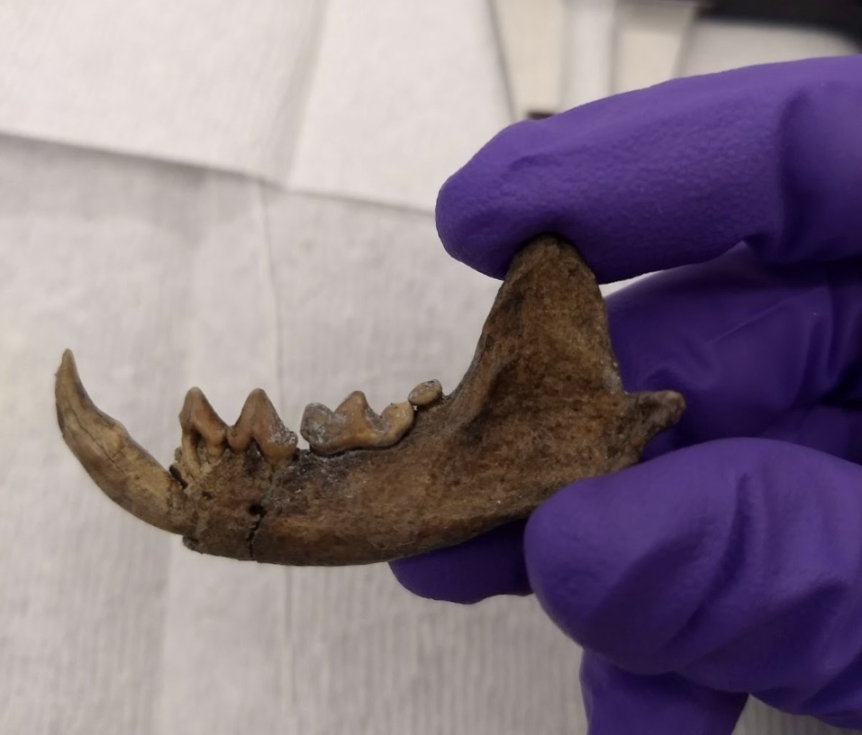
x=730, y=562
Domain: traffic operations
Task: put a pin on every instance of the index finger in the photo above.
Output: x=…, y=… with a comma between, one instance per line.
x=675, y=174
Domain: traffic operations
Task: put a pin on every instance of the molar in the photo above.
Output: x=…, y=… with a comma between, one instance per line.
x=426, y=394
x=353, y=425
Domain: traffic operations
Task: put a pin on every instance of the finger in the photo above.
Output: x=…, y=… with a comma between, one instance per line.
x=618, y=702
x=835, y=430
x=490, y=565
x=746, y=344
x=675, y=174
x=737, y=564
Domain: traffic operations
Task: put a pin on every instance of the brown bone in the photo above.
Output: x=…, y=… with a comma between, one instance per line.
x=540, y=407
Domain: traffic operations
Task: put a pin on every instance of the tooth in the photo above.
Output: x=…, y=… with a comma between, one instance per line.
x=198, y=419
x=425, y=394
x=124, y=471
x=315, y=428
x=259, y=421
x=353, y=425
x=399, y=418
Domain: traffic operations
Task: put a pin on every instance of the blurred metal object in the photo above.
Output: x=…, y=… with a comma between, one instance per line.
x=590, y=51
x=840, y=16
x=559, y=54
x=650, y=39
x=556, y=53
x=531, y=40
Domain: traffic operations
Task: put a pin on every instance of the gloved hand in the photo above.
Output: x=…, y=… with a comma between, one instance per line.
x=729, y=561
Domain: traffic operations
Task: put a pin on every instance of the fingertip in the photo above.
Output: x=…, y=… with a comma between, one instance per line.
x=488, y=566
x=507, y=187
x=567, y=558
x=707, y=560
x=646, y=538
x=671, y=175
x=620, y=702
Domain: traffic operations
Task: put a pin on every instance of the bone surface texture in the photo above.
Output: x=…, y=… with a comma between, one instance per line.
x=540, y=407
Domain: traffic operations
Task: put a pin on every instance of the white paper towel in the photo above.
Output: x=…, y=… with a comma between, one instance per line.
x=210, y=82
x=403, y=94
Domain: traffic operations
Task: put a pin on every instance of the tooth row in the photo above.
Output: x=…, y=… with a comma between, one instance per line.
x=353, y=425
x=257, y=421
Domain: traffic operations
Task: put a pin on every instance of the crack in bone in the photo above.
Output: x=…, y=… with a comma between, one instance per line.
x=259, y=513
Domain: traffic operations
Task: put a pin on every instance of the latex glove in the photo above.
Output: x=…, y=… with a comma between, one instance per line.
x=730, y=561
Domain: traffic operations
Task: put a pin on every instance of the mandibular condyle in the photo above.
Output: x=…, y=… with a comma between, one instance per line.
x=541, y=406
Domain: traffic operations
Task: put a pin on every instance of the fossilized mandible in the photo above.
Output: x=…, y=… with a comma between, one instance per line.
x=541, y=406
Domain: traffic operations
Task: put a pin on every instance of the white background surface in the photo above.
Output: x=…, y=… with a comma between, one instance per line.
x=163, y=275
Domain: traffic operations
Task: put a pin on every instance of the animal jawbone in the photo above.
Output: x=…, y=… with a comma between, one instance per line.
x=541, y=406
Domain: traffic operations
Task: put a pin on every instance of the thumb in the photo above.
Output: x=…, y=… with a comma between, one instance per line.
x=618, y=702
x=736, y=563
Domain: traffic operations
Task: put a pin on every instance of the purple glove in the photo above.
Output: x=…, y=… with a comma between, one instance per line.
x=729, y=562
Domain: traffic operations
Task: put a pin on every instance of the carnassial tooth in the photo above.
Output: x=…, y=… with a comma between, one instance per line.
x=353, y=425
x=259, y=421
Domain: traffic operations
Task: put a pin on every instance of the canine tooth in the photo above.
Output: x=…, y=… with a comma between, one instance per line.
x=426, y=393
x=353, y=425
x=259, y=421
x=124, y=471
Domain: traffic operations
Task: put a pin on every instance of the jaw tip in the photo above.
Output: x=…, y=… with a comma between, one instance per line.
x=121, y=468
x=67, y=373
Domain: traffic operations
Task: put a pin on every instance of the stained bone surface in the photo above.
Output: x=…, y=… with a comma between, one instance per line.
x=541, y=406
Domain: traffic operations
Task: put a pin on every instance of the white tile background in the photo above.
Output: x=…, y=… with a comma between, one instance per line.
x=161, y=275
